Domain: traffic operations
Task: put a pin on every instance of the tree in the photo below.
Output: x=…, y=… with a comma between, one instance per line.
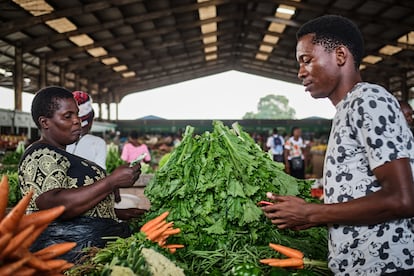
x=272, y=107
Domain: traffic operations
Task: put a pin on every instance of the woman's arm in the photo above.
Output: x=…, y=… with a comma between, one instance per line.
x=79, y=200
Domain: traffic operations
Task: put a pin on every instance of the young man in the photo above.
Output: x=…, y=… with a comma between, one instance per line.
x=275, y=144
x=368, y=180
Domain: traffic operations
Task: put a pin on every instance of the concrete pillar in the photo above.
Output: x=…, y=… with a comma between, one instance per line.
x=18, y=78
x=42, y=72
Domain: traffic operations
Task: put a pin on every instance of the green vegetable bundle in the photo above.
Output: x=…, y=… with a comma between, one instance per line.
x=211, y=184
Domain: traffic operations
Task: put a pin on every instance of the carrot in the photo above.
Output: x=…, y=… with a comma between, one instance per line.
x=25, y=271
x=10, y=268
x=41, y=217
x=56, y=264
x=36, y=233
x=155, y=227
x=10, y=223
x=37, y=263
x=4, y=195
x=172, y=250
x=154, y=234
x=287, y=251
x=54, y=250
x=156, y=220
x=16, y=241
x=291, y=262
x=263, y=203
x=170, y=232
x=4, y=241
x=268, y=261
x=174, y=246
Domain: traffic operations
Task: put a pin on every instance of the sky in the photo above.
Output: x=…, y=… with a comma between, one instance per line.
x=225, y=96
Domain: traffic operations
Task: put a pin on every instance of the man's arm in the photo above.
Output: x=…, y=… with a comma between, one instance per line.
x=395, y=200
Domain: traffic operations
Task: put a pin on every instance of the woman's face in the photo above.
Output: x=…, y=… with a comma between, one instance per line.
x=64, y=127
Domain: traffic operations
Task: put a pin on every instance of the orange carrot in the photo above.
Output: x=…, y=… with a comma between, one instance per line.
x=268, y=261
x=291, y=262
x=36, y=233
x=56, y=264
x=154, y=227
x=173, y=231
x=156, y=220
x=10, y=268
x=4, y=241
x=172, y=250
x=16, y=241
x=174, y=246
x=25, y=271
x=154, y=234
x=4, y=195
x=287, y=251
x=37, y=263
x=41, y=217
x=10, y=223
x=54, y=250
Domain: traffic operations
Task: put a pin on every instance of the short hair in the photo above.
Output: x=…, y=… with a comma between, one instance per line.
x=133, y=134
x=45, y=102
x=332, y=31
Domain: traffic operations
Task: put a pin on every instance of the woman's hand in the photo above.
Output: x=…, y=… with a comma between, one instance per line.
x=124, y=176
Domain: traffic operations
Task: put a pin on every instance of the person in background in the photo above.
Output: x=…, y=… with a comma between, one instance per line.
x=275, y=144
x=408, y=112
x=295, y=151
x=58, y=178
x=88, y=146
x=134, y=148
x=368, y=180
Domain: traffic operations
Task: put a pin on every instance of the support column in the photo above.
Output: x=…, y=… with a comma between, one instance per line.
x=62, y=76
x=404, y=90
x=18, y=78
x=42, y=72
x=77, y=82
x=108, y=105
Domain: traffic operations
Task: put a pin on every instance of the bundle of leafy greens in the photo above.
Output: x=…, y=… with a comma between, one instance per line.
x=211, y=184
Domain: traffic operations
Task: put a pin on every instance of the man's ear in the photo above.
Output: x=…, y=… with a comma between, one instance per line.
x=342, y=54
x=44, y=122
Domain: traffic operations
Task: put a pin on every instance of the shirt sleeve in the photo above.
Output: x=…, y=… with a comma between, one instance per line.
x=101, y=153
x=380, y=127
x=125, y=152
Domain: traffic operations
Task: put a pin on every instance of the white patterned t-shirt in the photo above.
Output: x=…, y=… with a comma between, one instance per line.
x=368, y=130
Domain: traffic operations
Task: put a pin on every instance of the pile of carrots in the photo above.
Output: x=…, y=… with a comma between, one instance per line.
x=18, y=231
x=158, y=230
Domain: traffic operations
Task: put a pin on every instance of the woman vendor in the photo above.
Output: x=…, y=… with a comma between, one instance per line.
x=61, y=178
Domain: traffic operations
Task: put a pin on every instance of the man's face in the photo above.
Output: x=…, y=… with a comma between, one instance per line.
x=318, y=69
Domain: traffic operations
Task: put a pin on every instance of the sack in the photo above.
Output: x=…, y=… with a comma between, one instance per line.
x=85, y=231
x=297, y=163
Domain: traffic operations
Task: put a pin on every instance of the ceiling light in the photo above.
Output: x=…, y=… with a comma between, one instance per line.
x=120, y=68
x=372, y=59
x=209, y=28
x=211, y=57
x=35, y=7
x=362, y=67
x=276, y=27
x=81, y=40
x=271, y=39
x=266, y=48
x=263, y=57
x=390, y=50
x=97, y=52
x=61, y=25
x=285, y=11
x=128, y=74
x=109, y=61
x=207, y=12
x=210, y=39
x=407, y=38
x=210, y=49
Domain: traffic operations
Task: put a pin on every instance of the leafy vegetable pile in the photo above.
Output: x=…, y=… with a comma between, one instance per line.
x=211, y=184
